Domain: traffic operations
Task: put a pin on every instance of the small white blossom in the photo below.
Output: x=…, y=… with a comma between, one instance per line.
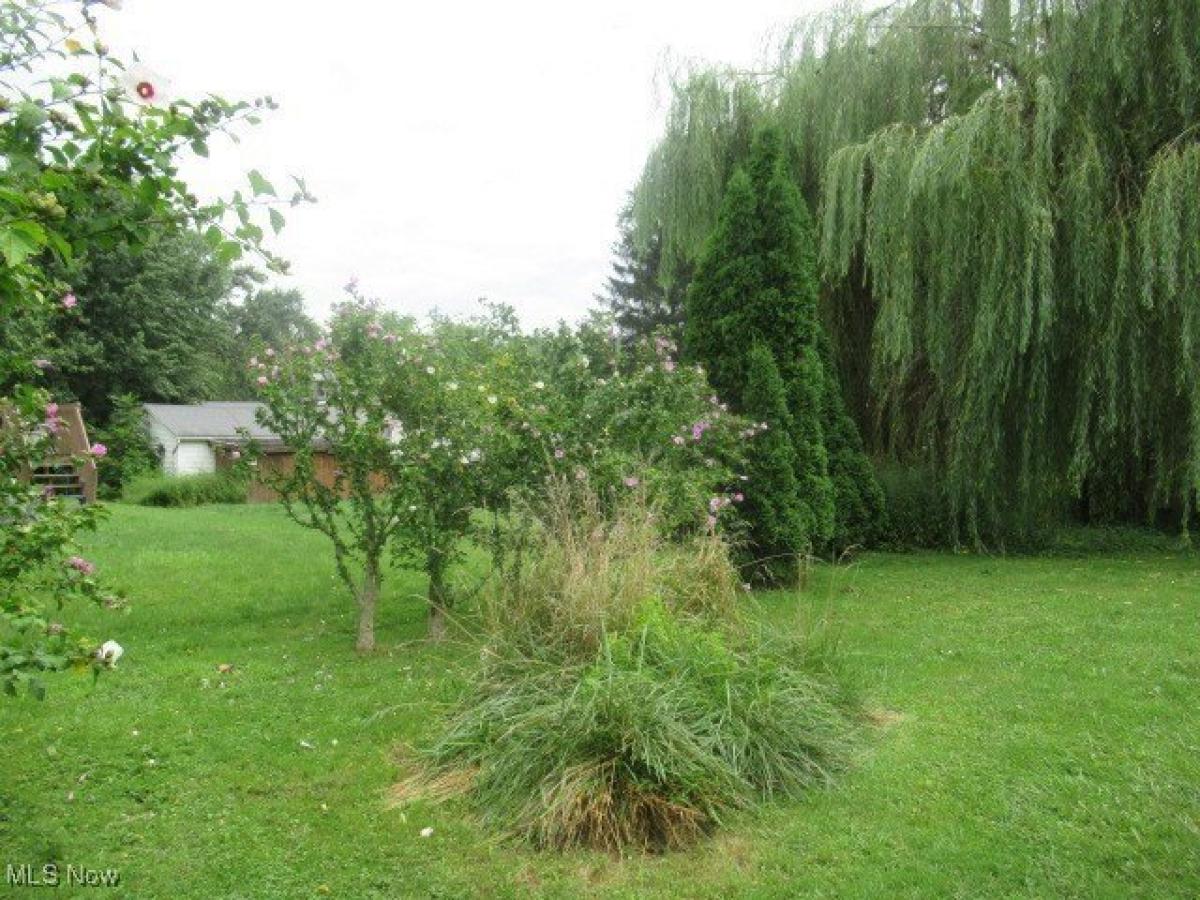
x=426, y=832
x=452, y=385
x=430, y=370
x=539, y=385
x=109, y=653
x=493, y=399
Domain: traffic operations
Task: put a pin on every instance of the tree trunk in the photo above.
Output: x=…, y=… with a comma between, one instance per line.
x=367, y=598
x=435, y=564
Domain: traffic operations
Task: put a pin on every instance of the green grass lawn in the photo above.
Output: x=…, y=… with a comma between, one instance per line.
x=1043, y=736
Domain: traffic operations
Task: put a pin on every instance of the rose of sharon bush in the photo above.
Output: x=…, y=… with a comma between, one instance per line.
x=429, y=426
x=41, y=570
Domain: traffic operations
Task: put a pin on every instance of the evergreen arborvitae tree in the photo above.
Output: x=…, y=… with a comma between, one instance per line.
x=756, y=283
x=780, y=521
x=635, y=293
x=857, y=497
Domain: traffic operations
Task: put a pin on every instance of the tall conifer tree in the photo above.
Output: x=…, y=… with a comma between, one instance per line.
x=756, y=284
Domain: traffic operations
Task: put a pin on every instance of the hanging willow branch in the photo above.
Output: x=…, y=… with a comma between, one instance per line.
x=1011, y=191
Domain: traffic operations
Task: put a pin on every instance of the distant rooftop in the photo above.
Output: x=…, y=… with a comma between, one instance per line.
x=219, y=420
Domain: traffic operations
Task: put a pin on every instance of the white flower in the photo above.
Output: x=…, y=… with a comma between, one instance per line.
x=109, y=653
x=430, y=370
x=452, y=385
x=146, y=87
x=426, y=832
x=475, y=455
x=539, y=385
x=493, y=399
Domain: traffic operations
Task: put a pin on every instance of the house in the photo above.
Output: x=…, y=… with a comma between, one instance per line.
x=196, y=438
x=191, y=439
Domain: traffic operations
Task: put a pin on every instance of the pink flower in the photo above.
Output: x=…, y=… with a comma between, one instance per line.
x=69, y=301
x=738, y=498
x=99, y=451
x=81, y=565
x=51, y=411
x=262, y=380
x=631, y=481
x=668, y=365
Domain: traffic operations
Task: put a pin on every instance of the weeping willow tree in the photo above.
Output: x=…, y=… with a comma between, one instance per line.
x=1009, y=199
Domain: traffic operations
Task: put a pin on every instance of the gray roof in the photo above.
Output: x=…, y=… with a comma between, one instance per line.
x=215, y=420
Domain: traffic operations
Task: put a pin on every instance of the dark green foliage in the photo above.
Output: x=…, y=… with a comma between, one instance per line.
x=265, y=318
x=756, y=287
x=130, y=450
x=148, y=324
x=727, y=277
x=807, y=393
x=781, y=518
x=861, y=513
x=644, y=302
x=186, y=490
x=1008, y=225
x=917, y=508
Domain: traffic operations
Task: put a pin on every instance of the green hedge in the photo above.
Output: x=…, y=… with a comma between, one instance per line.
x=186, y=490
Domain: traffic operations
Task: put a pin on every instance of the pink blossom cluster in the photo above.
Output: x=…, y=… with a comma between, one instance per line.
x=79, y=564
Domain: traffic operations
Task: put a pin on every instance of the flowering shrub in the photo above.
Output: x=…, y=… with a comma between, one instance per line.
x=90, y=152
x=634, y=418
x=427, y=426
x=40, y=566
x=421, y=430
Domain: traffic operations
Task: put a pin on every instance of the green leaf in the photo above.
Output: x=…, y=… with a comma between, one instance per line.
x=199, y=147
x=21, y=240
x=229, y=251
x=259, y=184
x=277, y=220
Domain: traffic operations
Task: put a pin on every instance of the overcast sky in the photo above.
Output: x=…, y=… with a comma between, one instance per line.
x=458, y=149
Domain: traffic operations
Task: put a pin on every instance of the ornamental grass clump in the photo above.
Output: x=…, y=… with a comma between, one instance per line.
x=622, y=702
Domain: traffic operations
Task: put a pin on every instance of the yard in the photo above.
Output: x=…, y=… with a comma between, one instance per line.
x=1039, y=735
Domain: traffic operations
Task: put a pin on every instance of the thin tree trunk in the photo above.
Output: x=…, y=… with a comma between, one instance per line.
x=367, y=598
x=437, y=596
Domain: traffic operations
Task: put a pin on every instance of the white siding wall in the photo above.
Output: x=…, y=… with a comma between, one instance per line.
x=161, y=436
x=194, y=458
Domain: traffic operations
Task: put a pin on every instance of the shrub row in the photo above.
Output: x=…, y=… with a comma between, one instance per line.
x=186, y=490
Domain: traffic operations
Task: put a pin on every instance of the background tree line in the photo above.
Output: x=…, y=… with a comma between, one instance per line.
x=1006, y=205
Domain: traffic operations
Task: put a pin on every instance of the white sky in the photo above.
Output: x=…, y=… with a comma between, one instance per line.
x=458, y=149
